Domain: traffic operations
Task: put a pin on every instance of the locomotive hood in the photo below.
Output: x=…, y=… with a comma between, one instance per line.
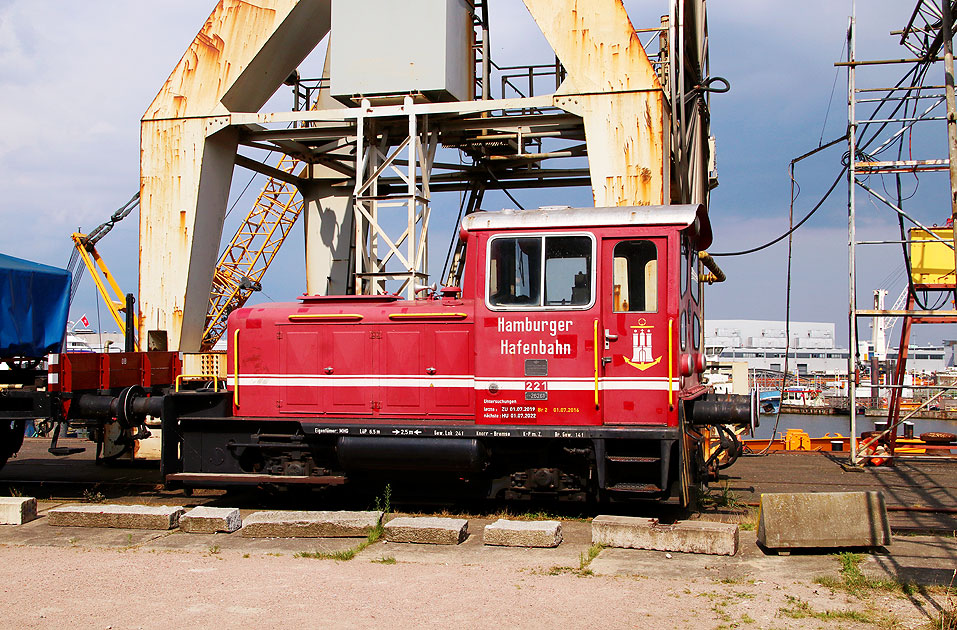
x=689, y=215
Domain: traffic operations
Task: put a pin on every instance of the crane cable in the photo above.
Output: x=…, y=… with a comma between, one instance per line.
x=93, y=238
x=864, y=144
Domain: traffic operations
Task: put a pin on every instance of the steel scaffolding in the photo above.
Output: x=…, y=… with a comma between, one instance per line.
x=893, y=114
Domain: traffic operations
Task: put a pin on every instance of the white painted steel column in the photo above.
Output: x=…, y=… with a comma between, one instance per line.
x=851, y=232
x=413, y=200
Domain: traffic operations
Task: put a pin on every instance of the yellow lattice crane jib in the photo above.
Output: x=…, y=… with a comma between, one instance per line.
x=244, y=262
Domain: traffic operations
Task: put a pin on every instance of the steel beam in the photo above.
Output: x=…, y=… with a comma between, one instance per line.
x=242, y=54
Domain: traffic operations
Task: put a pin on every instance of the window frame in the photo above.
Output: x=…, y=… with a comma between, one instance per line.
x=656, y=242
x=543, y=307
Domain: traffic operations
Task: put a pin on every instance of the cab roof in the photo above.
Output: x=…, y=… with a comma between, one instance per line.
x=564, y=217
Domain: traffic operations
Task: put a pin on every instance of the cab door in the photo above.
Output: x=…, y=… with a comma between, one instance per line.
x=635, y=332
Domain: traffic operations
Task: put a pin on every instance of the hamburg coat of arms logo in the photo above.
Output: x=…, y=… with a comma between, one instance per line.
x=642, y=356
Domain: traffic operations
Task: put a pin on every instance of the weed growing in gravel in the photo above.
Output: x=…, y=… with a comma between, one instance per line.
x=342, y=556
x=15, y=491
x=245, y=555
x=723, y=498
x=385, y=560
x=92, y=496
x=947, y=620
x=800, y=609
x=213, y=549
x=750, y=522
x=383, y=505
x=947, y=617
x=73, y=540
x=746, y=618
x=853, y=581
x=584, y=559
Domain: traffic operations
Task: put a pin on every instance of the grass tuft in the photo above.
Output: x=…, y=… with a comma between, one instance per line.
x=385, y=560
x=719, y=498
x=383, y=505
x=92, y=496
x=853, y=581
x=800, y=609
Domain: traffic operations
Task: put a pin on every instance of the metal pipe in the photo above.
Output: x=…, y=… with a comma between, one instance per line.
x=130, y=336
x=852, y=281
x=887, y=203
x=671, y=352
x=882, y=62
x=236, y=368
x=597, y=363
x=716, y=274
x=947, y=34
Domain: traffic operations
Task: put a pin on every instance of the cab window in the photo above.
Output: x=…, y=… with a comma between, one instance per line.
x=516, y=278
x=695, y=286
x=635, y=283
x=684, y=266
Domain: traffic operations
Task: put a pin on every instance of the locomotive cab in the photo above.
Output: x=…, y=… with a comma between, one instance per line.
x=565, y=364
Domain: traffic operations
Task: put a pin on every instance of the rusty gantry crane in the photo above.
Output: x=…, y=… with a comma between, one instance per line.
x=628, y=116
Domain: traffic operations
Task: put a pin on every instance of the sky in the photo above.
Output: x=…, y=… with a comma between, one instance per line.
x=77, y=77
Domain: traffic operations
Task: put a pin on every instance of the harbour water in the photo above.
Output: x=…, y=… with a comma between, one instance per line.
x=817, y=426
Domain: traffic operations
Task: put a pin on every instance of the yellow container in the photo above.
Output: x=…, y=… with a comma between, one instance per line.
x=931, y=261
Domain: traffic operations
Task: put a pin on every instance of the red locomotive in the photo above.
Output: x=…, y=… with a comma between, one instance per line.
x=566, y=364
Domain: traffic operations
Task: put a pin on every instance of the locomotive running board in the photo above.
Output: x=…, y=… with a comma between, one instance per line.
x=327, y=480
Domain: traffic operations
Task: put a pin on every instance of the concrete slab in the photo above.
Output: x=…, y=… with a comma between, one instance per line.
x=209, y=520
x=17, y=510
x=823, y=520
x=473, y=552
x=116, y=516
x=628, y=532
x=427, y=530
x=316, y=524
x=507, y=533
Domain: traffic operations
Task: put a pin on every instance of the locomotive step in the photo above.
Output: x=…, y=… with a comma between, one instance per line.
x=643, y=488
x=628, y=459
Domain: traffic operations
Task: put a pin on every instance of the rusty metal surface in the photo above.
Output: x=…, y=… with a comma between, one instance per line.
x=640, y=150
x=606, y=65
x=241, y=55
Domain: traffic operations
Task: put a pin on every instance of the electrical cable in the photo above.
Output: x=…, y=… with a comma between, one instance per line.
x=794, y=227
x=503, y=189
x=787, y=317
x=837, y=72
x=830, y=190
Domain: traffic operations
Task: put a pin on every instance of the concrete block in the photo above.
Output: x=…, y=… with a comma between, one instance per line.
x=17, y=510
x=630, y=532
x=310, y=524
x=823, y=520
x=506, y=533
x=119, y=516
x=209, y=520
x=428, y=530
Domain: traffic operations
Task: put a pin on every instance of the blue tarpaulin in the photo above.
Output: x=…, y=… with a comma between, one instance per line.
x=34, y=305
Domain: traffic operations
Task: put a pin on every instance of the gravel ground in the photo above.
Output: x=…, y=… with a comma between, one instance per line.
x=79, y=588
